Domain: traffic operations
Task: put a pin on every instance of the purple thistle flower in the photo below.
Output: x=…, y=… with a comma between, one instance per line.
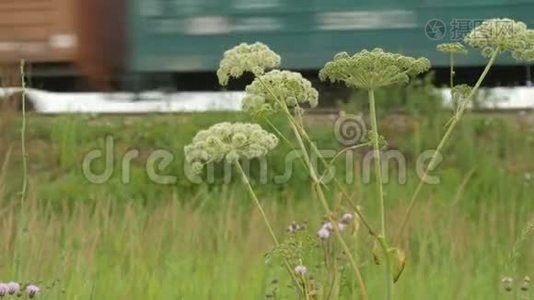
x=347, y=218
x=301, y=270
x=3, y=289
x=341, y=226
x=32, y=290
x=328, y=226
x=323, y=233
x=293, y=228
x=13, y=288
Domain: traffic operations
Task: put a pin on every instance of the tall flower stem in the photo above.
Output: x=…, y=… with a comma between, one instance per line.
x=322, y=198
x=256, y=201
x=23, y=139
x=345, y=195
x=266, y=221
x=22, y=222
x=320, y=193
x=454, y=121
x=375, y=140
x=451, y=71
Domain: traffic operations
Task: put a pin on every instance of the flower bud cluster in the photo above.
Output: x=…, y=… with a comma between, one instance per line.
x=268, y=92
x=230, y=142
x=452, y=48
x=503, y=35
x=255, y=58
x=373, y=69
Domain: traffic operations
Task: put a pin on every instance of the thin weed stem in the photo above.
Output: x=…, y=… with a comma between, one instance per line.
x=266, y=220
x=455, y=119
x=319, y=190
x=22, y=222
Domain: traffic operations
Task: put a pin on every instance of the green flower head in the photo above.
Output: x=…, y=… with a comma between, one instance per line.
x=460, y=92
x=373, y=69
x=451, y=48
x=255, y=58
x=230, y=142
x=525, y=49
x=500, y=35
x=268, y=92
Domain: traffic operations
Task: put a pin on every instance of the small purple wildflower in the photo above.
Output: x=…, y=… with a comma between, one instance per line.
x=3, y=289
x=301, y=270
x=323, y=233
x=328, y=226
x=347, y=218
x=13, y=288
x=32, y=290
x=341, y=226
x=293, y=228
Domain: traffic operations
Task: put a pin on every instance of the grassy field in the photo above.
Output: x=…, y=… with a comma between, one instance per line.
x=142, y=240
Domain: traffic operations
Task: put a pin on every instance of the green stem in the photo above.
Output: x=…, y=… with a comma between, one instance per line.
x=24, y=188
x=375, y=139
x=257, y=202
x=451, y=70
x=456, y=118
x=324, y=203
x=23, y=139
x=266, y=220
x=319, y=190
x=346, y=197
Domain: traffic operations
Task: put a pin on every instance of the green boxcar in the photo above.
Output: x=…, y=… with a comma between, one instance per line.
x=191, y=35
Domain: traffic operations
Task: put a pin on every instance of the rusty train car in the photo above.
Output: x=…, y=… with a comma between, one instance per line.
x=77, y=40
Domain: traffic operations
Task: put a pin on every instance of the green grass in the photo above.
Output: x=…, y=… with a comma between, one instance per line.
x=187, y=241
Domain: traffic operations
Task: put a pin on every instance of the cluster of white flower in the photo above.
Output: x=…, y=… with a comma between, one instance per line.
x=452, y=48
x=525, y=51
x=268, y=92
x=255, y=58
x=503, y=35
x=373, y=69
x=230, y=142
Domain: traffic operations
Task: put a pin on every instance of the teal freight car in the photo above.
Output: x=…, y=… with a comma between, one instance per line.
x=176, y=36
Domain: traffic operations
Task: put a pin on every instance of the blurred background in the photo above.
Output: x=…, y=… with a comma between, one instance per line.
x=111, y=45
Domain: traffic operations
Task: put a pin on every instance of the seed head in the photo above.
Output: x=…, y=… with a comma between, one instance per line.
x=255, y=58
x=32, y=290
x=230, y=142
x=301, y=270
x=507, y=283
x=460, y=92
x=525, y=284
x=451, y=48
x=373, y=69
x=500, y=35
x=270, y=92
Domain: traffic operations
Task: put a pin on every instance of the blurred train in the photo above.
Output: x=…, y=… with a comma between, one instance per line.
x=140, y=44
